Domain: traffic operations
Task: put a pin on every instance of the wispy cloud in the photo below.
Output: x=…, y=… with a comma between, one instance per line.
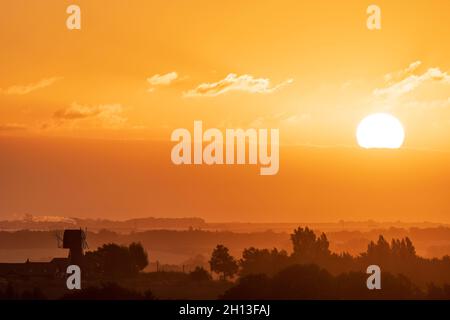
x=9, y=127
x=412, y=82
x=110, y=114
x=161, y=80
x=400, y=75
x=410, y=89
x=28, y=88
x=233, y=82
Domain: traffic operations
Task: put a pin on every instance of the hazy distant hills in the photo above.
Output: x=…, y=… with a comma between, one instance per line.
x=175, y=241
x=30, y=222
x=179, y=240
x=43, y=223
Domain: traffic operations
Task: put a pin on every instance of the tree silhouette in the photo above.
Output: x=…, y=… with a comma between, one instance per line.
x=256, y=261
x=379, y=250
x=312, y=282
x=250, y=287
x=200, y=274
x=438, y=293
x=115, y=260
x=223, y=263
x=307, y=248
x=138, y=255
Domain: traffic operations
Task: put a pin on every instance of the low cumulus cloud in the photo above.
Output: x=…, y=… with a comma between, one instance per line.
x=409, y=88
x=161, y=80
x=233, y=82
x=110, y=114
x=28, y=88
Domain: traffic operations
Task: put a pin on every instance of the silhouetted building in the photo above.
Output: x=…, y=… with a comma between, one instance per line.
x=34, y=269
x=74, y=240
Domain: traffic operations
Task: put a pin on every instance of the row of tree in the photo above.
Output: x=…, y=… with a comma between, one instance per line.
x=397, y=257
x=302, y=281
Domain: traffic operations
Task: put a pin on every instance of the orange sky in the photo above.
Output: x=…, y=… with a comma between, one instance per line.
x=311, y=69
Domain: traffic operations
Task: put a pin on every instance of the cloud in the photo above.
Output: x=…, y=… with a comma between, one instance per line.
x=232, y=82
x=399, y=75
x=107, y=113
x=31, y=218
x=414, y=91
x=164, y=79
x=8, y=127
x=161, y=80
x=412, y=82
x=25, y=89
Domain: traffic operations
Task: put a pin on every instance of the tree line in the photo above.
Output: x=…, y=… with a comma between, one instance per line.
x=336, y=275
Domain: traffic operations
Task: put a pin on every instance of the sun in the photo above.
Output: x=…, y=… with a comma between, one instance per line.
x=380, y=131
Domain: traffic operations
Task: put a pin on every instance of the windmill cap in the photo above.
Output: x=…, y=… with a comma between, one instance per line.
x=73, y=238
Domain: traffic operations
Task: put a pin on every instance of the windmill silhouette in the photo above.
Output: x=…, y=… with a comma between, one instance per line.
x=75, y=241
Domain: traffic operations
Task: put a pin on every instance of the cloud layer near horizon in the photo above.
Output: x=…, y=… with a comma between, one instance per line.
x=28, y=88
x=108, y=114
x=408, y=87
x=233, y=82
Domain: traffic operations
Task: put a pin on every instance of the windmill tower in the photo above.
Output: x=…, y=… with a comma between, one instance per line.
x=75, y=241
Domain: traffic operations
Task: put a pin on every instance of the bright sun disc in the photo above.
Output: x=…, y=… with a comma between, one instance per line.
x=380, y=131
